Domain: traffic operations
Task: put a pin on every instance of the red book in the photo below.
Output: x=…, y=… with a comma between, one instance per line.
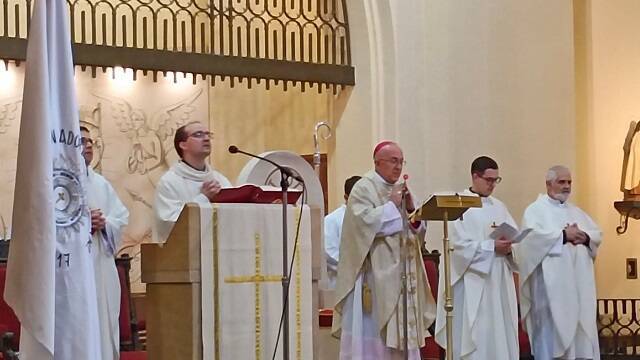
x=255, y=195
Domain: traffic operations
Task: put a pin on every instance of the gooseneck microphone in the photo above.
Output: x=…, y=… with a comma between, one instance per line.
x=285, y=170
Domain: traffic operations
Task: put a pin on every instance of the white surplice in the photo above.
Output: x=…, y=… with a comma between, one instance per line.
x=485, y=311
x=332, y=233
x=178, y=186
x=105, y=243
x=558, y=293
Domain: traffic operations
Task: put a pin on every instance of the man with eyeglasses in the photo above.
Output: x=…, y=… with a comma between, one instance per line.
x=485, y=315
x=191, y=179
x=557, y=284
x=368, y=316
x=108, y=217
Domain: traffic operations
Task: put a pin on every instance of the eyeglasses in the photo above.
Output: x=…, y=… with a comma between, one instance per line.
x=201, y=134
x=85, y=140
x=490, y=180
x=395, y=161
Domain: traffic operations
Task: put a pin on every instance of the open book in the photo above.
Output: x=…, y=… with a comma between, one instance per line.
x=509, y=232
x=255, y=194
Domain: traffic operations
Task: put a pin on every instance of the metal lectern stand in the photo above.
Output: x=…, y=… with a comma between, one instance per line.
x=446, y=208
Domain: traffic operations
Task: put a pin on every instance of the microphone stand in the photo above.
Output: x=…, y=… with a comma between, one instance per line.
x=404, y=248
x=285, y=174
x=284, y=184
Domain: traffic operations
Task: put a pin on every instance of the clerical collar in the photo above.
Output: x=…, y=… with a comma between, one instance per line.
x=382, y=179
x=482, y=196
x=555, y=201
x=195, y=168
x=185, y=171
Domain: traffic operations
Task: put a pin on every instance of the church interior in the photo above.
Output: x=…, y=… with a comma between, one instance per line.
x=531, y=84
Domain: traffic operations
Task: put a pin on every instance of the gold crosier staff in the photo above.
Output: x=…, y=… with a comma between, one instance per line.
x=316, y=144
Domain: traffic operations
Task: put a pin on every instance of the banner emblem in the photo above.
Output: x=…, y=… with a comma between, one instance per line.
x=68, y=198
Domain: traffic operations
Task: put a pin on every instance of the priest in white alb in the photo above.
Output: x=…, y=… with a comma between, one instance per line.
x=558, y=291
x=485, y=309
x=108, y=217
x=333, y=232
x=368, y=315
x=191, y=179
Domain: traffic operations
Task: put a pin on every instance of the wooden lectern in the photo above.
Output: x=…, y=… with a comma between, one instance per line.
x=172, y=275
x=446, y=208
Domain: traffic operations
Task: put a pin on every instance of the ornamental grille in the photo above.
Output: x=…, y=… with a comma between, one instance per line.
x=302, y=41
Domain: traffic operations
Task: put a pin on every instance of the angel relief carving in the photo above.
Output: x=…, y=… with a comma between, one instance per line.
x=138, y=149
x=9, y=112
x=150, y=137
x=133, y=147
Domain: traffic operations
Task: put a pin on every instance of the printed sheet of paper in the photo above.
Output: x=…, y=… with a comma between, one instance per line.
x=509, y=232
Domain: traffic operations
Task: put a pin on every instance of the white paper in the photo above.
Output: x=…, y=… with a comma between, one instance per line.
x=509, y=232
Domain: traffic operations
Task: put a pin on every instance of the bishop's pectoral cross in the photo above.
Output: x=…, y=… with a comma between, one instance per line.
x=257, y=278
x=493, y=225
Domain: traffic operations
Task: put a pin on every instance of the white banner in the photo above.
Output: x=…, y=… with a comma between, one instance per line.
x=50, y=283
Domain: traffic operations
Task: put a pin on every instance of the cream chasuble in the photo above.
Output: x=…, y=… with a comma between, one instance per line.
x=241, y=258
x=105, y=244
x=179, y=185
x=558, y=294
x=485, y=310
x=370, y=264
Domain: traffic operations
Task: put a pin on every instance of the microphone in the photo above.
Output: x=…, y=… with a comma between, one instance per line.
x=285, y=170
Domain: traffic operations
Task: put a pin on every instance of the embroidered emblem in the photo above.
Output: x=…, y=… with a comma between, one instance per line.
x=68, y=197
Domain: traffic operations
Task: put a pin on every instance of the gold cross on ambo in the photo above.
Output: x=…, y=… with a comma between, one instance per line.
x=256, y=278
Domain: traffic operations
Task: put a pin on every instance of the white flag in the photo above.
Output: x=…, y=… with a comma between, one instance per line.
x=50, y=283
